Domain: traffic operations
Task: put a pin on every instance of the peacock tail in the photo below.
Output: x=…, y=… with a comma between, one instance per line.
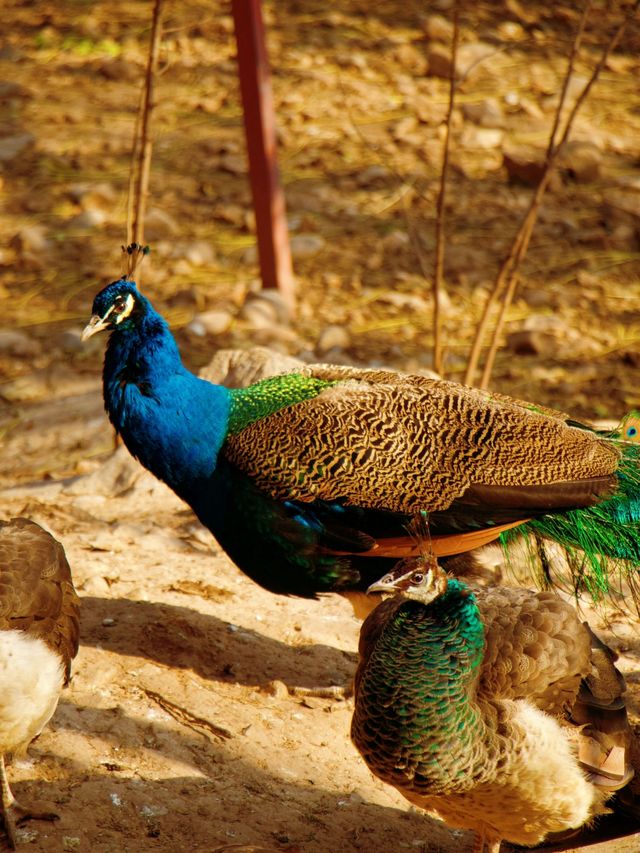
x=602, y=541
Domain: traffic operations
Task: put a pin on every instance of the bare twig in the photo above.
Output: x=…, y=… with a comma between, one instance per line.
x=521, y=243
x=439, y=258
x=143, y=138
x=186, y=718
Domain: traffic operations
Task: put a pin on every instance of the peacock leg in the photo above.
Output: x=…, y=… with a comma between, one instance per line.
x=485, y=844
x=12, y=812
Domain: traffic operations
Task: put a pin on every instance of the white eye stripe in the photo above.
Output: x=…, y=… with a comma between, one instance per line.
x=126, y=311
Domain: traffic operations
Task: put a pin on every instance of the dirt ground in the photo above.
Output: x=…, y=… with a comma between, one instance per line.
x=177, y=730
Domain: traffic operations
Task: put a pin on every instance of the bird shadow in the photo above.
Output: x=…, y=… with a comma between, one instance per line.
x=211, y=647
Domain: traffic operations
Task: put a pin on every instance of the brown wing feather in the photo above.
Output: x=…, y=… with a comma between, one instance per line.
x=414, y=443
x=36, y=591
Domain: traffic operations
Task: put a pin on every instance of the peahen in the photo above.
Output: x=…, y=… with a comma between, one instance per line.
x=39, y=629
x=304, y=478
x=498, y=709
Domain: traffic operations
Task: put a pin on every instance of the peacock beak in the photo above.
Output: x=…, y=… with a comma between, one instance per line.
x=385, y=584
x=96, y=324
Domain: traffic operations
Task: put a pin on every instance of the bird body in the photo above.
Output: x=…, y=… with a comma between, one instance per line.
x=474, y=704
x=39, y=629
x=304, y=477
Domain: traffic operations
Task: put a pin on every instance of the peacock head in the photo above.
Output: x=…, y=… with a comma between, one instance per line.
x=118, y=306
x=419, y=578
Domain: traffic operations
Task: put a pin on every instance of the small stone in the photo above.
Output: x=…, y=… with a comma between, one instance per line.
x=108, y=622
x=305, y=246
x=396, y=241
x=200, y=253
x=410, y=58
x=12, y=147
x=13, y=342
x=215, y=322
x=481, y=137
x=333, y=337
x=525, y=165
x=439, y=61
x=70, y=341
x=88, y=219
x=32, y=239
x=375, y=175
x=581, y=161
x=122, y=70
x=260, y=313
x=277, y=689
x=91, y=196
x=438, y=28
x=486, y=113
x=159, y=225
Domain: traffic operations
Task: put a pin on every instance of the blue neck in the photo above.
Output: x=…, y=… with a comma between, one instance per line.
x=172, y=421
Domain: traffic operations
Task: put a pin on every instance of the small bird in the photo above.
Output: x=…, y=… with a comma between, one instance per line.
x=39, y=629
x=303, y=478
x=497, y=708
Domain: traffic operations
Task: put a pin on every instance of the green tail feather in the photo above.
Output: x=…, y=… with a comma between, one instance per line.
x=607, y=534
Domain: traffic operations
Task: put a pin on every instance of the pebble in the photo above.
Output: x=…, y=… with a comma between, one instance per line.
x=215, y=322
x=582, y=162
x=333, y=337
x=438, y=28
x=481, y=137
x=159, y=225
x=12, y=147
x=486, y=113
x=305, y=246
x=200, y=253
x=88, y=219
x=13, y=342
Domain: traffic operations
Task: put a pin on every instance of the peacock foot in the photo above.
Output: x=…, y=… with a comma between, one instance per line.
x=16, y=814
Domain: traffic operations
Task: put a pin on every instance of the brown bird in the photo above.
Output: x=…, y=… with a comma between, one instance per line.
x=39, y=629
x=497, y=708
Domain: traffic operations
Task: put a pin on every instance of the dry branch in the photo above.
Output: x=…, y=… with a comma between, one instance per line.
x=440, y=239
x=507, y=278
x=142, y=146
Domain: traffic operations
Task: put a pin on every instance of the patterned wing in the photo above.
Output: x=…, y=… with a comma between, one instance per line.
x=416, y=443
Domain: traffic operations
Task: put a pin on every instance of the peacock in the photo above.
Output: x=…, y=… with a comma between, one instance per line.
x=496, y=708
x=308, y=480
x=39, y=630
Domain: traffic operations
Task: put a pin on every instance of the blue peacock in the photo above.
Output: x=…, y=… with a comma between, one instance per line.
x=308, y=480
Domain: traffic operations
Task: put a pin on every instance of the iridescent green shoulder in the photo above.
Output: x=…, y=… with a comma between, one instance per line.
x=270, y=395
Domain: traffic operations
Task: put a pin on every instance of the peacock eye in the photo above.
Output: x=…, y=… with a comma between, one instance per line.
x=418, y=578
x=118, y=305
x=632, y=432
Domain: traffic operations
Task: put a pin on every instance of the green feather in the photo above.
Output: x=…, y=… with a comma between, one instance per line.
x=262, y=399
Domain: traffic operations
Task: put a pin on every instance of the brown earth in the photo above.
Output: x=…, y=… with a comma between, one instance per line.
x=177, y=730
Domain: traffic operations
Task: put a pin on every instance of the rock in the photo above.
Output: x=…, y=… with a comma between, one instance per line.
x=12, y=147
x=122, y=70
x=306, y=246
x=31, y=240
x=407, y=56
x=550, y=336
x=375, y=175
x=215, y=322
x=200, y=253
x=525, y=165
x=581, y=162
x=113, y=477
x=239, y=368
x=486, y=113
x=396, y=241
x=71, y=341
x=13, y=342
x=93, y=196
x=481, y=137
x=159, y=225
x=88, y=219
x=333, y=337
x=439, y=61
x=438, y=28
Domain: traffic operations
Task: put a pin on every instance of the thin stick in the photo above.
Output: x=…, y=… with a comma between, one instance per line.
x=145, y=144
x=439, y=258
x=510, y=262
x=553, y=152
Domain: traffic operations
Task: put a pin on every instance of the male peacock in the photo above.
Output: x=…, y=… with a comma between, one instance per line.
x=303, y=478
x=497, y=709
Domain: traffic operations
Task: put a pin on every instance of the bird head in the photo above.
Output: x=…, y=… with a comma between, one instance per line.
x=419, y=578
x=118, y=306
